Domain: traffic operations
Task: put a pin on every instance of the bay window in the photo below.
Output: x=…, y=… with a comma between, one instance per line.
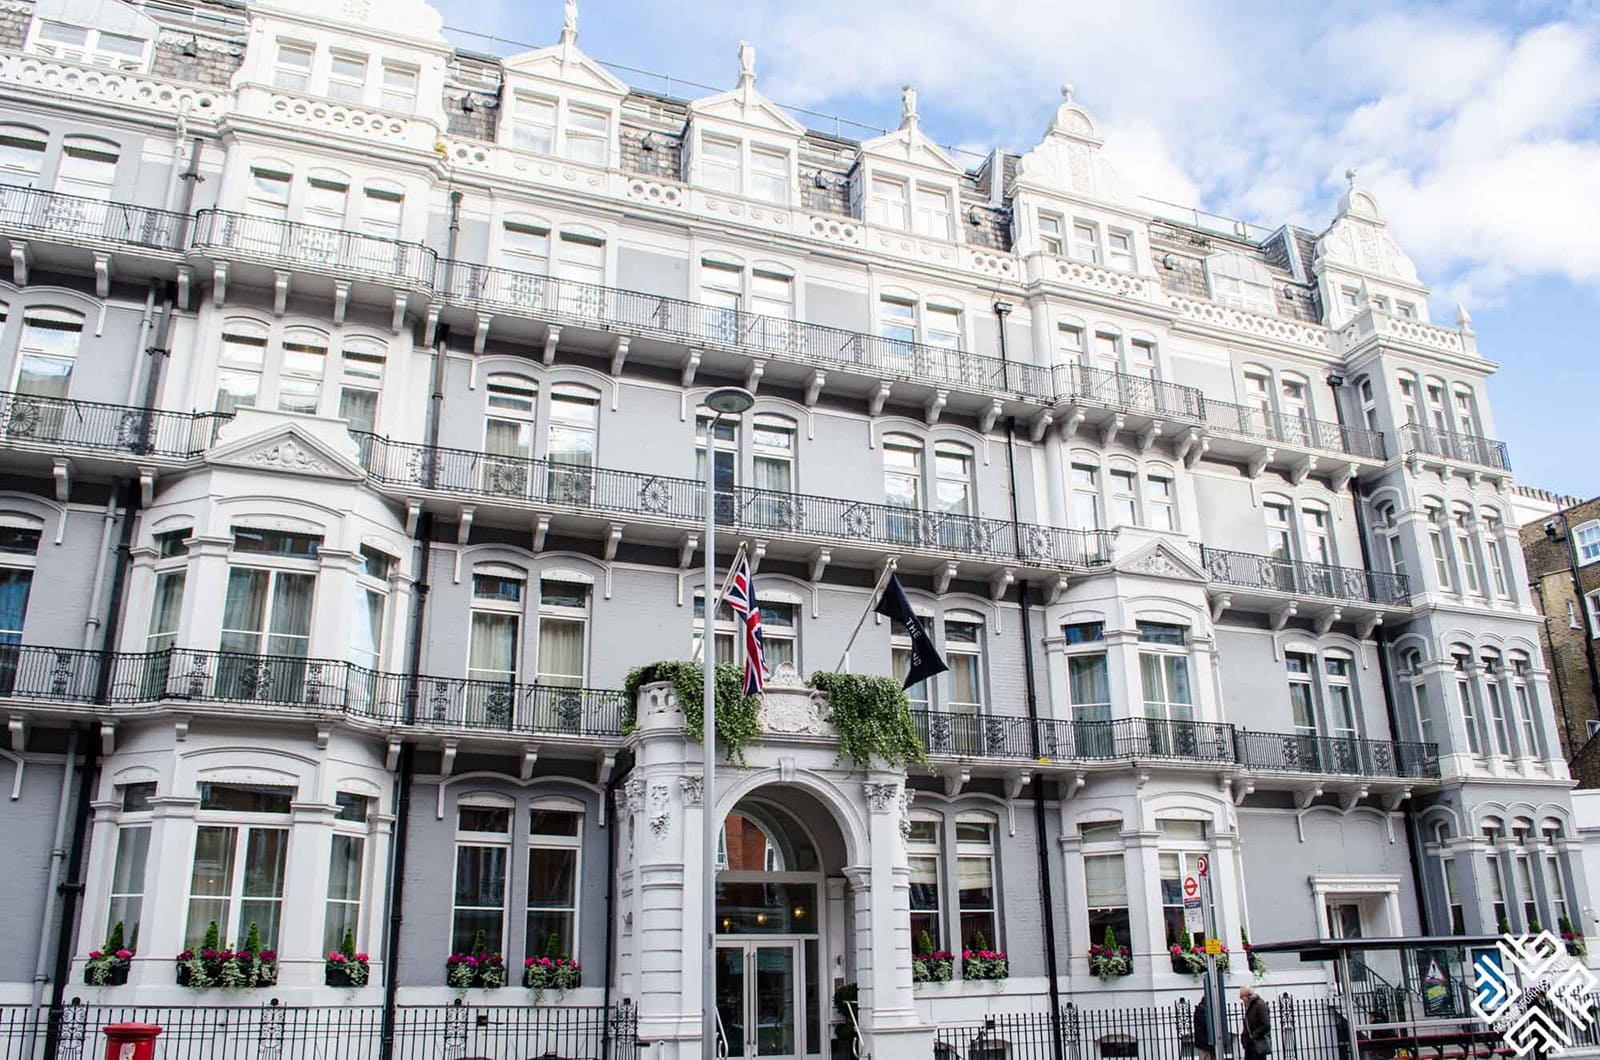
x=1497, y=890
x=1089, y=687
x=927, y=867
x=165, y=608
x=371, y=603
x=1467, y=702
x=1441, y=564
x=483, y=847
x=126, y=898
x=975, y=883
x=346, y=866
x=555, y=847
x=240, y=853
x=1497, y=704
x=1528, y=892
x=1183, y=843
x=1493, y=551
x=1105, y=879
x=1452, y=897
x=1164, y=671
x=1461, y=519
x=1524, y=695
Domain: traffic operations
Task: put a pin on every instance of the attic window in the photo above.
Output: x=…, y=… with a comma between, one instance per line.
x=1238, y=281
x=81, y=44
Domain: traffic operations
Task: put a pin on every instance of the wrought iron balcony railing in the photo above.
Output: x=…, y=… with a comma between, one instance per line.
x=1250, y=570
x=1467, y=448
x=1275, y=427
x=1128, y=393
x=67, y=675
x=569, y=301
x=992, y=736
x=380, y=259
x=51, y=214
x=604, y=490
x=92, y=425
x=947, y=735
x=1286, y=752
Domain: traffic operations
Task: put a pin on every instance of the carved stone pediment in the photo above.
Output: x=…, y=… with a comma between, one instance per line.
x=1161, y=560
x=286, y=447
x=790, y=708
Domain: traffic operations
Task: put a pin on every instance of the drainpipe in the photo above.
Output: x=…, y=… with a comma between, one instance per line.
x=607, y=807
x=58, y=854
x=1040, y=818
x=70, y=888
x=146, y=322
x=408, y=763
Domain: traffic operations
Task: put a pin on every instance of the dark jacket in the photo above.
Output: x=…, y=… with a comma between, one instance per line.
x=1257, y=1027
x=1202, y=1026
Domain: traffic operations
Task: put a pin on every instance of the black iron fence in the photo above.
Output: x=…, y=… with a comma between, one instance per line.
x=814, y=518
x=1266, y=426
x=34, y=211
x=381, y=259
x=949, y=735
x=287, y=1032
x=1123, y=391
x=1302, y=1029
x=70, y=675
x=1251, y=570
x=1467, y=448
x=99, y=427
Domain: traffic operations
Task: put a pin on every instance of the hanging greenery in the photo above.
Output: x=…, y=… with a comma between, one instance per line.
x=873, y=718
x=736, y=712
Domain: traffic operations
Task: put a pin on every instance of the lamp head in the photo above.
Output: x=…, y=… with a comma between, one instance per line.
x=729, y=400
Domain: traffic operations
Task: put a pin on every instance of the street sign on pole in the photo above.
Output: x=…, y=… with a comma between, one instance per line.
x=1202, y=866
x=1193, y=917
x=1191, y=887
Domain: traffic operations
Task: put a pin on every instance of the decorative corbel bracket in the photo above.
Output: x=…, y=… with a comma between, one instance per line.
x=814, y=386
x=944, y=576
x=552, y=338
x=935, y=406
x=986, y=421
x=879, y=397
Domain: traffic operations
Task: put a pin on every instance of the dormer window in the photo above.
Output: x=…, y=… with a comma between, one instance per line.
x=547, y=127
x=347, y=77
x=769, y=175
x=933, y=213
x=1086, y=243
x=399, y=87
x=887, y=204
x=719, y=164
x=1239, y=281
x=81, y=44
x=292, y=69
x=1119, y=250
x=762, y=174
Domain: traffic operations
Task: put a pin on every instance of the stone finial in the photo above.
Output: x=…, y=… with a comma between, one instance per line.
x=1350, y=178
x=747, y=63
x=1463, y=318
x=569, y=22
x=1066, y=92
x=908, y=107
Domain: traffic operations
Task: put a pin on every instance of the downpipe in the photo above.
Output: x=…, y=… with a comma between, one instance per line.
x=1030, y=684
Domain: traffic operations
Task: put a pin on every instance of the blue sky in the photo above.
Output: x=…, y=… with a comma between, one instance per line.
x=1476, y=124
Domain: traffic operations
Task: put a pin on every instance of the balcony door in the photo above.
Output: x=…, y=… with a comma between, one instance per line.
x=725, y=464
x=759, y=998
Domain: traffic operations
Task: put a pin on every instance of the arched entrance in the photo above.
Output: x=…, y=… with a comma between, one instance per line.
x=777, y=932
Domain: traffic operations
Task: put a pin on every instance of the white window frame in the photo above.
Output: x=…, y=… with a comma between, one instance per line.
x=1586, y=540
x=564, y=613
x=232, y=929
x=350, y=832
x=90, y=51
x=990, y=852
x=551, y=803
x=483, y=840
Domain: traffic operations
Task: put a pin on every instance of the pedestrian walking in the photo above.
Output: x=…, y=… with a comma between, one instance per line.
x=1205, y=1039
x=1256, y=1038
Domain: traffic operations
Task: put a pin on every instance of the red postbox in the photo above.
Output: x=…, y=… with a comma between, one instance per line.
x=131, y=1041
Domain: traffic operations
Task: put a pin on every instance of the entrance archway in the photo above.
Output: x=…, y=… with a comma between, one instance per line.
x=780, y=924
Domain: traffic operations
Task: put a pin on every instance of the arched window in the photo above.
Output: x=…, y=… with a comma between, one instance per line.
x=1085, y=475
x=581, y=266
x=1240, y=281
x=327, y=198
x=563, y=631
x=48, y=351
x=1466, y=696
x=925, y=857
x=267, y=197
x=1160, y=497
x=20, y=535
x=1433, y=511
x=1466, y=410
x=525, y=245
x=240, y=363
x=362, y=362
x=963, y=642
x=555, y=866
x=22, y=152
x=1369, y=402
x=1466, y=552
x=977, y=881
x=304, y=365
x=902, y=485
x=900, y=658
x=1123, y=481
x=493, y=647
x=511, y=405
x=1526, y=700
x=780, y=626
x=1433, y=391
x=88, y=168
x=1410, y=398
x=1316, y=532
x=1494, y=551
x=572, y=441
x=1389, y=532
x=483, y=852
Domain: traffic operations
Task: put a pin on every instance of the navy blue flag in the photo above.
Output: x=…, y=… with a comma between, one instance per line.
x=925, y=660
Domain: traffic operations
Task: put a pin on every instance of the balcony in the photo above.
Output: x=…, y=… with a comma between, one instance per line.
x=1243, y=578
x=51, y=230
x=1421, y=442
x=1010, y=740
x=1255, y=435
x=56, y=425
x=289, y=250
x=802, y=519
x=1080, y=387
x=193, y=678
x=1282, y=752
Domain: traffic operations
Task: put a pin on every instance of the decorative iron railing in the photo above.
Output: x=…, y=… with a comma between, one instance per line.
x=604, y=490
x=1275, y=427
x=948, y=735
x=1130, y=393
x=1467, y=448
x=92, y=425
x=51, y=214
x=1286, y=752
x=378, y=258
x=1250, y=570
x=69, y=675
x=327, y=1032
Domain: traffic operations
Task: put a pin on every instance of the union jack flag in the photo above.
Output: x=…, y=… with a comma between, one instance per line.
x=742, y=599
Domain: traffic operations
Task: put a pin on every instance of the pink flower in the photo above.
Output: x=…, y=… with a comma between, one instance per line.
x=210, y=955
x=186, y=955
x=530, y=962
x=94, y=955
x=123, y=955
x=362, y=958
x=336, y=957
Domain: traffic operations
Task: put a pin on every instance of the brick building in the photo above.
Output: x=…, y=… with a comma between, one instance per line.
x=1562, y=553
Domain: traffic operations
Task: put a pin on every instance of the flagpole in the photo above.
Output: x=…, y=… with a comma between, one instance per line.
x=872, y=601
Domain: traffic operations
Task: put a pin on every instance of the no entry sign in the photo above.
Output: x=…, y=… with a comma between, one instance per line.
x=1191, y=887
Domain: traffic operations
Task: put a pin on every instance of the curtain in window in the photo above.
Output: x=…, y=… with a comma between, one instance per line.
x=367, y=628
x=291, y=615
x=491, y=652
x=262, y=902
x=964, y=694
x=925, y=900
x=561, y=652
x=508, y=438
x=242, y=610
x=1089, y=687
x=344, y=891
x=127, y=882
x=14, y=587
x=360, y=408
x=1105, y=882
x=211, y=882
x=164, y=612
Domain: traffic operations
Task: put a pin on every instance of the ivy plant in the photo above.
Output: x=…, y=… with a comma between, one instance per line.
x=736, y=712
x=872, y=717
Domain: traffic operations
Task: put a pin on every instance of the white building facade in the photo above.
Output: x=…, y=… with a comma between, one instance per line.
x=351, y=463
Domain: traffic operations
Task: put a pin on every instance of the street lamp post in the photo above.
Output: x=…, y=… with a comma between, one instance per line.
x=729, y=401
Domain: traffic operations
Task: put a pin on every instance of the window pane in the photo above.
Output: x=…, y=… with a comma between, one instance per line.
x=246, y=798
x=552, y=876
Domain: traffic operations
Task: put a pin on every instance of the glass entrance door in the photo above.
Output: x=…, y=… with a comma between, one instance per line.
x=758, y=999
